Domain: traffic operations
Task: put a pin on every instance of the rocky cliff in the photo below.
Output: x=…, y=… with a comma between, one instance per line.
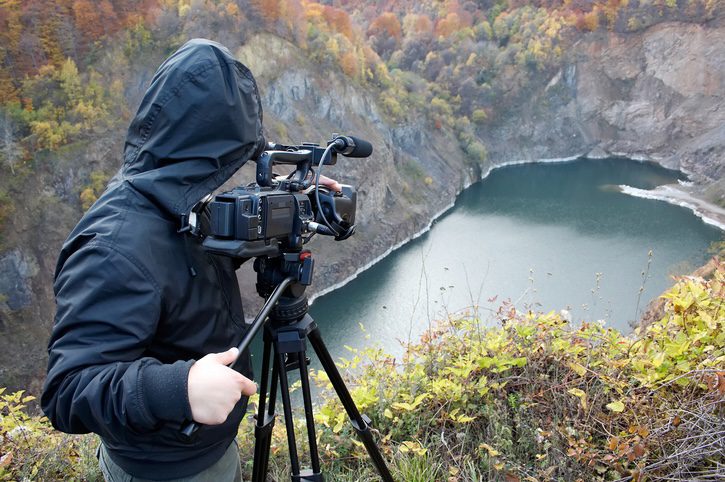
x=656, y=95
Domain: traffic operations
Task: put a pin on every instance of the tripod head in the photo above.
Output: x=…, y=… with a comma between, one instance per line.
x=271, y=272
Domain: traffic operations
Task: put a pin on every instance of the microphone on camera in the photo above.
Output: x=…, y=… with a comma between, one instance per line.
x=352, y=146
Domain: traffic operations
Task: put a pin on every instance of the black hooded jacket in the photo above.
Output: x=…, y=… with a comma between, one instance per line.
x=137, y=301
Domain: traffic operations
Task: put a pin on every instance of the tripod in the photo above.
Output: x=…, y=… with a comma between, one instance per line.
x=281, y=280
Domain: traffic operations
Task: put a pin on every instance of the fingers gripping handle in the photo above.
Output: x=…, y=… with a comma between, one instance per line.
x=189, y=428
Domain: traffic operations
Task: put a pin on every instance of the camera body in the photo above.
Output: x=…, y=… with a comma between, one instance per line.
x=259, y=215
x=274, y=215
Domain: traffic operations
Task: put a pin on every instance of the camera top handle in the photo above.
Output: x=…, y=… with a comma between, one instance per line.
x=303, y=156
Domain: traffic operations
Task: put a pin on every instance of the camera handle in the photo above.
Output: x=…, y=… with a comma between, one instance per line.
x=270, y=158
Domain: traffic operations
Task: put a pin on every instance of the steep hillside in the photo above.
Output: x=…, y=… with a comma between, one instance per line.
x=443, y=91
x=413, y=174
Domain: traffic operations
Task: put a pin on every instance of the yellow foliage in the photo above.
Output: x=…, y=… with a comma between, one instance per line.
x=232, y=9
x=588, y=392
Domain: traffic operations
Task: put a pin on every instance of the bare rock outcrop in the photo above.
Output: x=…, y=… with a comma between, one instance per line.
x=658, y=95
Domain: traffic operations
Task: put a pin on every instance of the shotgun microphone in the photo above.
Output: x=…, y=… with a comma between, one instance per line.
x=350, y=146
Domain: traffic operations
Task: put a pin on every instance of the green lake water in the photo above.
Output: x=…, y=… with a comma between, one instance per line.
x=546, y=236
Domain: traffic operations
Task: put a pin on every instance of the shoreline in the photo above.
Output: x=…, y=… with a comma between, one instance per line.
x=669, y=193
x=709, y=213
x=400, y=244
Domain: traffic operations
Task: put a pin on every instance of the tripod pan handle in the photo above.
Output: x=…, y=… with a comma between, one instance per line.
x=188, y=430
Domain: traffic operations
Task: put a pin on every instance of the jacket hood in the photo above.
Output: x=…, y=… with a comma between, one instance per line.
x=199, y=121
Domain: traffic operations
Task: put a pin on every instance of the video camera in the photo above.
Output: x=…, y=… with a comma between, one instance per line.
x=280, y=214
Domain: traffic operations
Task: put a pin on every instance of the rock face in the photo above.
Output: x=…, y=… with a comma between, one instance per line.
x=657, y=95
x=16, y=270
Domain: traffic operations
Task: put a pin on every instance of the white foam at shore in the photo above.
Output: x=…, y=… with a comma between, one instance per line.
x=530, y=161
x=674, y=196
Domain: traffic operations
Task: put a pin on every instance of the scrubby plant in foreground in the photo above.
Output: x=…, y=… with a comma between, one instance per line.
x=30, y=449
x=531, y=399
x=537, y=399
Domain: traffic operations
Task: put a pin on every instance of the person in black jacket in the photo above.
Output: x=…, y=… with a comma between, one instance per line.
x=138, y=301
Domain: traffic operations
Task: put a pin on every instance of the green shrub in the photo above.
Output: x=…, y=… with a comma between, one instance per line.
x=94, y=188
x=30, y=449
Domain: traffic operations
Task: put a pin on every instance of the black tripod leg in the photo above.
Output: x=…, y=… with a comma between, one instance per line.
x=265, y=419
x=309, y=416
x=287, y=407
x=360, y=423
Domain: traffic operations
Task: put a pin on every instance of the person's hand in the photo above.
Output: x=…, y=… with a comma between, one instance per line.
x=325, y=181
x=214, y=388
x=330, y=183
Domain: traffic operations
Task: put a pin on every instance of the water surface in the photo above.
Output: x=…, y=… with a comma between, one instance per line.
x=544, y=236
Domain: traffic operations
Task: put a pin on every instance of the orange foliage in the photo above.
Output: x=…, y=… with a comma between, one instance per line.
x=591, y=20
x=420, y=25
x=349, y=63
x=232, y=9
x=88, y=19
x=338, y=20
x=387, y=25
x=448, y=25
x=36, y=32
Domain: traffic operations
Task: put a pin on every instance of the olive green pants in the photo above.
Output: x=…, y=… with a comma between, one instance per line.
x=226, y=469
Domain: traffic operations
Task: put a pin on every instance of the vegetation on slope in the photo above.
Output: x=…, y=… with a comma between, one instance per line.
x=64, y=65
x=529, y=399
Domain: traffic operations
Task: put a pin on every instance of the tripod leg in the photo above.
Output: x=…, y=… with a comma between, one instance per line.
x=265, y=419
x=359, y=422
x=287, y=407
x=309, y=416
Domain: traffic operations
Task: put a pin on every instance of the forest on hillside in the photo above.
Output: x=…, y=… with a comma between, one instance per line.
x=64, y=65
x=455, y=72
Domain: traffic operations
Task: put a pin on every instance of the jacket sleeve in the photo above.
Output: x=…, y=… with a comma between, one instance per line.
x=98, y=380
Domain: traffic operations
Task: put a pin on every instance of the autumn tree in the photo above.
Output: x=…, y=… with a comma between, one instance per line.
x=93, y=19
x=385, y=34
x=269, y=10
x=416, y=26
x=10, y=150
x=448, y=25
x=338, y=20
x=349, y=63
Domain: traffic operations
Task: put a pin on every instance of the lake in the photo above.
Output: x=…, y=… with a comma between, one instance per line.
x=547, y=236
